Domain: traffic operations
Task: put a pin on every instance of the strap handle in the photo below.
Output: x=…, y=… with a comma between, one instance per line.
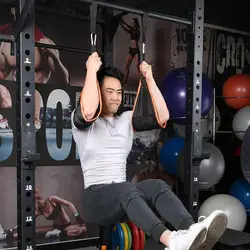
x=93, y=35
x=144, y=32
x=143, y=50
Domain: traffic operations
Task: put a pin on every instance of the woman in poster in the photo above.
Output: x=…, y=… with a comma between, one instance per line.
x=134, y=52
x=52, y=209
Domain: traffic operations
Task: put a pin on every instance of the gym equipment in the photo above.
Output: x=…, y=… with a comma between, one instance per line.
x=236, y=87
x=129, y=235
x=241, y=190
x=144, y=107
x=169, y=153
x=126, y=240
x=245, y=155
x=211, y=170
x=207, y=123
x=236, y=213
x=117, y=238
x=241, y=122
x=174, y=91
x=142, y=239
x=136, y=240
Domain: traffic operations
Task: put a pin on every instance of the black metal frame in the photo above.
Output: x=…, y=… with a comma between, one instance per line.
x=193, y=139
x=26, y=143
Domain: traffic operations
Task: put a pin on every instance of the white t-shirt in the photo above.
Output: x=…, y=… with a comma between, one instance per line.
x=103, y=148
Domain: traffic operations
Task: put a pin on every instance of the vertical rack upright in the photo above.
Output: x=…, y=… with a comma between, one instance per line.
x=25, y=126
x=193, y=140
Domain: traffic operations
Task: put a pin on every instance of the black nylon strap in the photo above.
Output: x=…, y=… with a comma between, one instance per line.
x=93, y=14
x=144, y=33
x=145, y=104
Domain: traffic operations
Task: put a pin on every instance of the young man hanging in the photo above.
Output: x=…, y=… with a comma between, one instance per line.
x=104, y=140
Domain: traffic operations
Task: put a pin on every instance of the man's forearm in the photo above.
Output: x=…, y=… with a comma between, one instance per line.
x=4, y=69
x=61, y=72
x=90, y=96
x=159, y=101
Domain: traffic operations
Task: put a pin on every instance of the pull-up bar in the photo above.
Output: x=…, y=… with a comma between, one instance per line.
x=138, y=12
x=163, y=16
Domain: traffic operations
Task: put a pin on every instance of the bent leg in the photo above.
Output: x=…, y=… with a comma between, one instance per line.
x=160, y=195
x=114, y=203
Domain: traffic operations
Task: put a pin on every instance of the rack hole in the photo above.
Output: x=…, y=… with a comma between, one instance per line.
x=28, y=178
x=197, y=99
x=28, y=194
x=27, y=52
x=27, y=100
x=27, y=84
x=27, y=68
x=198, y=62
x=28, y=240
x=198, y=74
x=28, y=209
x=27, y=36
x=27, y=116
x=28, y=224
x=197, y=111
x=197, y=87
x=197, y=124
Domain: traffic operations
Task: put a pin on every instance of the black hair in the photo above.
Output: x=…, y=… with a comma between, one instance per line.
x=136, y=21
x=109, y=71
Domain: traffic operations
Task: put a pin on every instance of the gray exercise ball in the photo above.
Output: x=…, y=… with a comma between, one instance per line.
x=211, y=170
x=234, y=209
x=241, y=122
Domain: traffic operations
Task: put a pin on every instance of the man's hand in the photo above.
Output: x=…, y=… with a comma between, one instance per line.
x=146, y=70
x=94, y=62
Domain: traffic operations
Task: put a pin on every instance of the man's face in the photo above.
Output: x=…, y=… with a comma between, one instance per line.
x=111, y=90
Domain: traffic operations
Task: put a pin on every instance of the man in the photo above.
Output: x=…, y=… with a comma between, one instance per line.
x=104, y=140
x=47, y=61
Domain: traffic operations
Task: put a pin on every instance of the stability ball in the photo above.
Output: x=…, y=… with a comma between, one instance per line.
x=169, y=153
x=241, y=190
x=237, y=86
x=174, y=92
x=207, y=122
x=235, y=211
x=211, y=170
x=241, y=122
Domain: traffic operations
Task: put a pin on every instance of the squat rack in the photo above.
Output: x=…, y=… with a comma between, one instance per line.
x=23, y=37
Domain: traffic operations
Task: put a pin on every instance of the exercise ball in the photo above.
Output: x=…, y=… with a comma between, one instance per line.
x=169, y=153
x=234, y=209
x=241, y=190
x=241, y=122
x=237, y=86
x=207, y=123
x=174, y=92
x=211, y=170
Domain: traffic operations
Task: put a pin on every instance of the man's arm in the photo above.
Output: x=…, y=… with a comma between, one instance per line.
x=4, y=67
x=54, y=62
x=157, y=98
x=89, y=107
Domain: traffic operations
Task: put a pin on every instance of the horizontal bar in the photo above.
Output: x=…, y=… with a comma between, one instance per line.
x=138, y=12
x=164, y=17
x=6, y=38
x=64, y=48
x=228, y=132
x=23, y=18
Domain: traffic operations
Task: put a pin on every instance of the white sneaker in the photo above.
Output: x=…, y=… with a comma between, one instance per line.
x=189, y=239
x=216, y=224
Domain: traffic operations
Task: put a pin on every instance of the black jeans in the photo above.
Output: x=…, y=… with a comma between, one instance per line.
x=107, y=204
